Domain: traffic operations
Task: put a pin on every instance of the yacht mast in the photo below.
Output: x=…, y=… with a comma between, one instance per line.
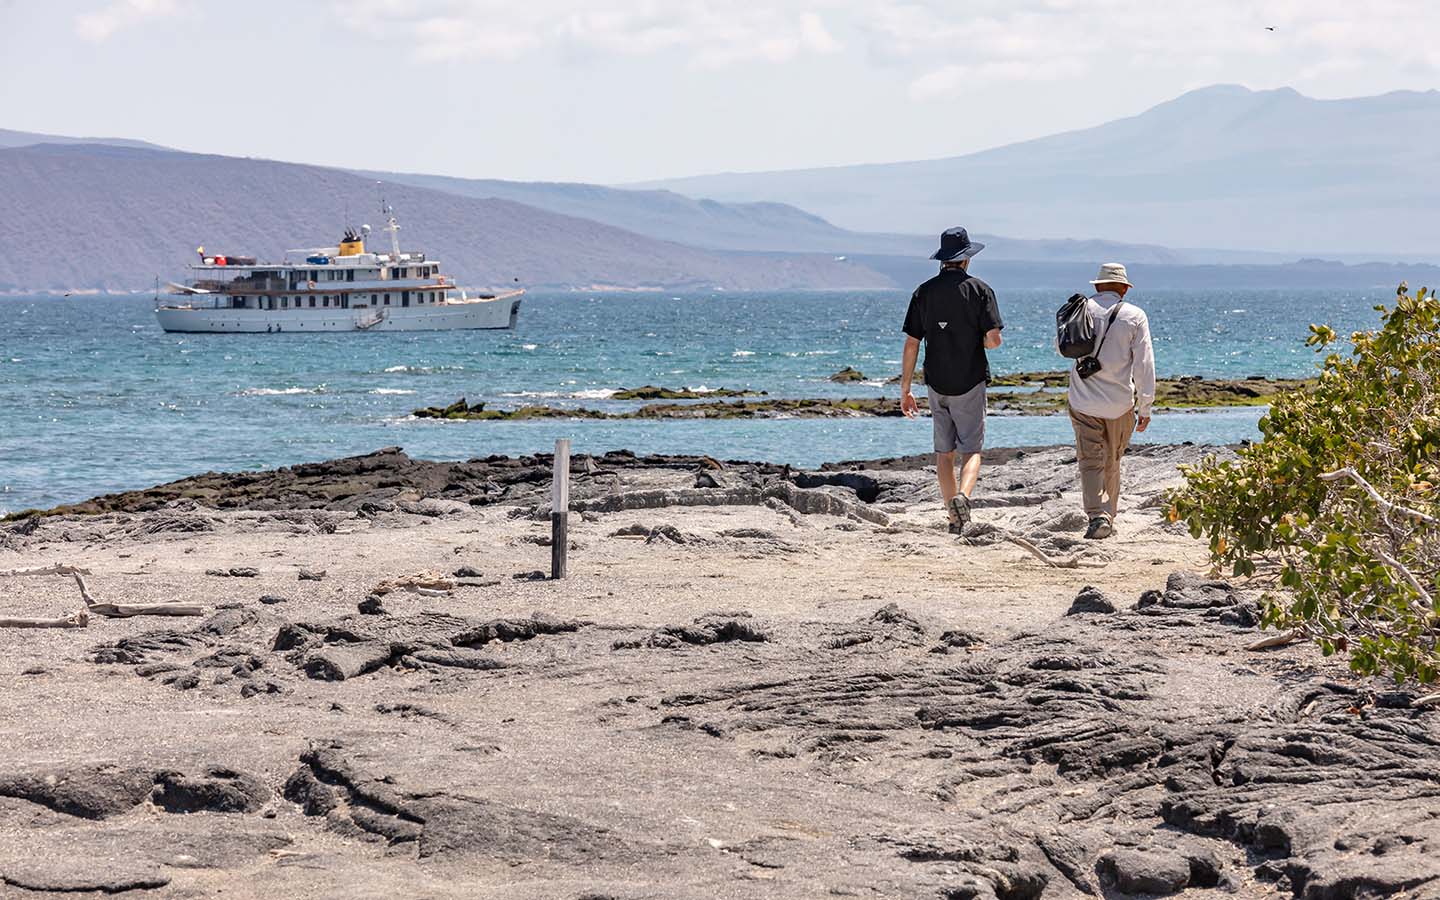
x=391, y=226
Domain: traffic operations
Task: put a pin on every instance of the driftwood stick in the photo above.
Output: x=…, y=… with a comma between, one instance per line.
x=77, y=619
x=1067, y=562
x=57, y=569
x=1275, y=640
x=126, y=610
x=1425, y=702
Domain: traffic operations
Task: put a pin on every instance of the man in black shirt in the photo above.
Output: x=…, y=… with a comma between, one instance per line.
x=956, y=315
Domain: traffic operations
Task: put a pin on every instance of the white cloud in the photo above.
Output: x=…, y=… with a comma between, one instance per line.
x=99, y=25
x=712, y=33
x=1044, y=40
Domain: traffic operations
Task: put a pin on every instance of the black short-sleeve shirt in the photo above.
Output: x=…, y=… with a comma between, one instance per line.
x=951, y=313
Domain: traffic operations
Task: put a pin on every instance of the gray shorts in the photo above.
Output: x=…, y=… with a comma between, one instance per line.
x=959, y=420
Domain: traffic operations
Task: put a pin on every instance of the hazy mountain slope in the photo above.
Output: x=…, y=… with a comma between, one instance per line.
x=766, y=226
x=1221, y=166
x=26, y=138
x=671, y=216
x=83, y=216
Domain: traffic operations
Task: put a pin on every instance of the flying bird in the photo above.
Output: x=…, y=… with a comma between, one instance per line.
x=1269, y=27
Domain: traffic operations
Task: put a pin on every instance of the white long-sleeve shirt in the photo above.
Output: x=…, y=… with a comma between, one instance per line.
x=1126, y=380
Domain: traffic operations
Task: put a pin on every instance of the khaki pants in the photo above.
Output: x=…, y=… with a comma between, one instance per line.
x=1099, y=445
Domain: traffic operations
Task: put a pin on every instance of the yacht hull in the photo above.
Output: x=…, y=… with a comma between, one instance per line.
x=501, y=312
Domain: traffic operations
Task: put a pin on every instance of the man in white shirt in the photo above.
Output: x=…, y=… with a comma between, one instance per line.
x=1108, y=406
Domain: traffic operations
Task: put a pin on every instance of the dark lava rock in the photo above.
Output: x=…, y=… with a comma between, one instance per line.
x=216, y=789
x=711, y=628
x=88, y=793
x=311, y=575
x=1155, y=872
x=957, y=638
x=371, y=606
x=847, y=375
x=272, y=599
x=234, y=572
x=1090, y=600
x=1242, y=615
x=251, y=688
x=506, y=630
x=468, y=572
x=312, y=795
x=87, y=875
x=892, y=614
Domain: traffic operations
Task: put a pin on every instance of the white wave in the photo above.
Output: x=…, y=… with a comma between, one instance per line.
x=391, y=391
x=278, y=392
x=595, y=394
x=422, y=370
x=529, y=346
x=821, y=352
x=743, y=353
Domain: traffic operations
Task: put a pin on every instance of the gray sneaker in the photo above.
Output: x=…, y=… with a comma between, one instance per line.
x=1100, y=528
x=959, y=511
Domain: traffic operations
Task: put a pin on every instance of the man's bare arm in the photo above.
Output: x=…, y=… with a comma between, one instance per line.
x=908, y=358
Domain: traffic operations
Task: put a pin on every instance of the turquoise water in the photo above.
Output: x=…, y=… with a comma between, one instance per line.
x=95, y=398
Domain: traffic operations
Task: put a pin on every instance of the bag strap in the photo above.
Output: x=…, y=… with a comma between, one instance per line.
x=1114, y=311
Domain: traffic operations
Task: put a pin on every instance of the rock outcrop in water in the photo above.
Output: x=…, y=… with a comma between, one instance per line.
x=1035, y=394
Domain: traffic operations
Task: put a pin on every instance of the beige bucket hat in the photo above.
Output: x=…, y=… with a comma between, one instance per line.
x=1111, y=273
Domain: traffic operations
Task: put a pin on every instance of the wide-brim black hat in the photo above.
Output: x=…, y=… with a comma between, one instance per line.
x=955, y=243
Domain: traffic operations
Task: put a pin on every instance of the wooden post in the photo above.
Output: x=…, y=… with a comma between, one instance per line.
x=560, y=509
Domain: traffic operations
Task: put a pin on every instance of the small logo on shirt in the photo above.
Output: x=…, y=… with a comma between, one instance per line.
x=943, y=324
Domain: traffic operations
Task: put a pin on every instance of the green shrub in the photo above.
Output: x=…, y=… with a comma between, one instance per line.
x=1338, y=503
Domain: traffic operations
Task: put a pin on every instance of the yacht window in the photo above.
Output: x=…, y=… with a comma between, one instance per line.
x=387, y=299
x=325, y=301
x=312, y=302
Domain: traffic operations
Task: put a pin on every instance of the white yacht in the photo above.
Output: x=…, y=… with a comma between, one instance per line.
x=345, y=288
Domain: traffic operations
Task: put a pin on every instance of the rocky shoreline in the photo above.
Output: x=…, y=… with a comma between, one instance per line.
x=1039, y=393
x=757, y=682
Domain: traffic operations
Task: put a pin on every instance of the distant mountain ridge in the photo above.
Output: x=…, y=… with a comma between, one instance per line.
x=10, y=138
x=766, y=226
x=1218, y=167
x=111, y=217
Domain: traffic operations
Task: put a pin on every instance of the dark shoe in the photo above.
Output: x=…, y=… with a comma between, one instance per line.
x=959, y=512
x=1099, y=529
x=957, y=529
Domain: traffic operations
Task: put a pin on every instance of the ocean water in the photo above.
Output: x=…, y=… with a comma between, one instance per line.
x=94, y=397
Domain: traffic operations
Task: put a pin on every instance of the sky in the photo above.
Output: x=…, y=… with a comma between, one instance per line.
x=619, y=91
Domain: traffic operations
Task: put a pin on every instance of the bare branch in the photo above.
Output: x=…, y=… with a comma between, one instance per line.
x=74, y=620
x=1385, y=505
x=1275, y=640
x=57, y=569
x=1426, y=607
x=1068, y=562
x=125, y=611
